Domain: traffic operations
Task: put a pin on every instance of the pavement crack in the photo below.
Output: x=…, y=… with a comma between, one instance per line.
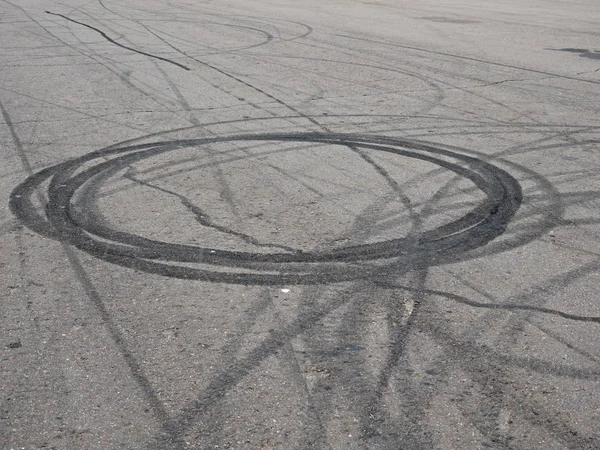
x=506, y=81
x=204, y=219
x=112, y=41
x=588, y=72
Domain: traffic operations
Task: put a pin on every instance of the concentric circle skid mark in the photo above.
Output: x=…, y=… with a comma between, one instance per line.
x=437, y=246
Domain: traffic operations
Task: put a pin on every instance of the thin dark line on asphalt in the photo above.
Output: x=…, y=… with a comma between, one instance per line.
x=91, y=292
x=16, y=140
x=119, y=339
x=112, y=41
x=505, y=306
x=204, y=219
x=469, y=58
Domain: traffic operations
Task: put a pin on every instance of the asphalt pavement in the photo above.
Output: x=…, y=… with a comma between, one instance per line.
x=282, y=224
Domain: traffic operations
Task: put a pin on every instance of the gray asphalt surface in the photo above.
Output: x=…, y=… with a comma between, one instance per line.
x=288, y=224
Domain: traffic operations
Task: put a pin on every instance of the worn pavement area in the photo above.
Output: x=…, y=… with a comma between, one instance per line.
x=284, y=224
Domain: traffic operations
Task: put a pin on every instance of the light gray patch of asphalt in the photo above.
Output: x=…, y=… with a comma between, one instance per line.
x=299, y=225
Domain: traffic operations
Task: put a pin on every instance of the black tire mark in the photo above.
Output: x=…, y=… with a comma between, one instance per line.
x=354, y=148
x=239, y=80
x=519, y=126
x=379, y=428
x=468, y=58
x=430, y=80
x=529, y=176
x=119, y=75
x=550, y=420
x=222, y=72
x=481, y=225
x=260, y=20
x=287, y=352
x=137, y=373
x=561, y=340
x=495, y=396
x=417, y=395
x=552, y=212
x=431, y=103
x=268, y=37
x=112, y=41
x=231, y=376
x=215, y=421
x=215, y=51
x=487, y=366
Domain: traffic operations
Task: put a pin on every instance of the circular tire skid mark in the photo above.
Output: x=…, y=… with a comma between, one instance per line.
x=391, y=257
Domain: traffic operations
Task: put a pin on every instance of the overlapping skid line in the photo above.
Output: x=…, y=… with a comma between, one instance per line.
x=482, y=224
